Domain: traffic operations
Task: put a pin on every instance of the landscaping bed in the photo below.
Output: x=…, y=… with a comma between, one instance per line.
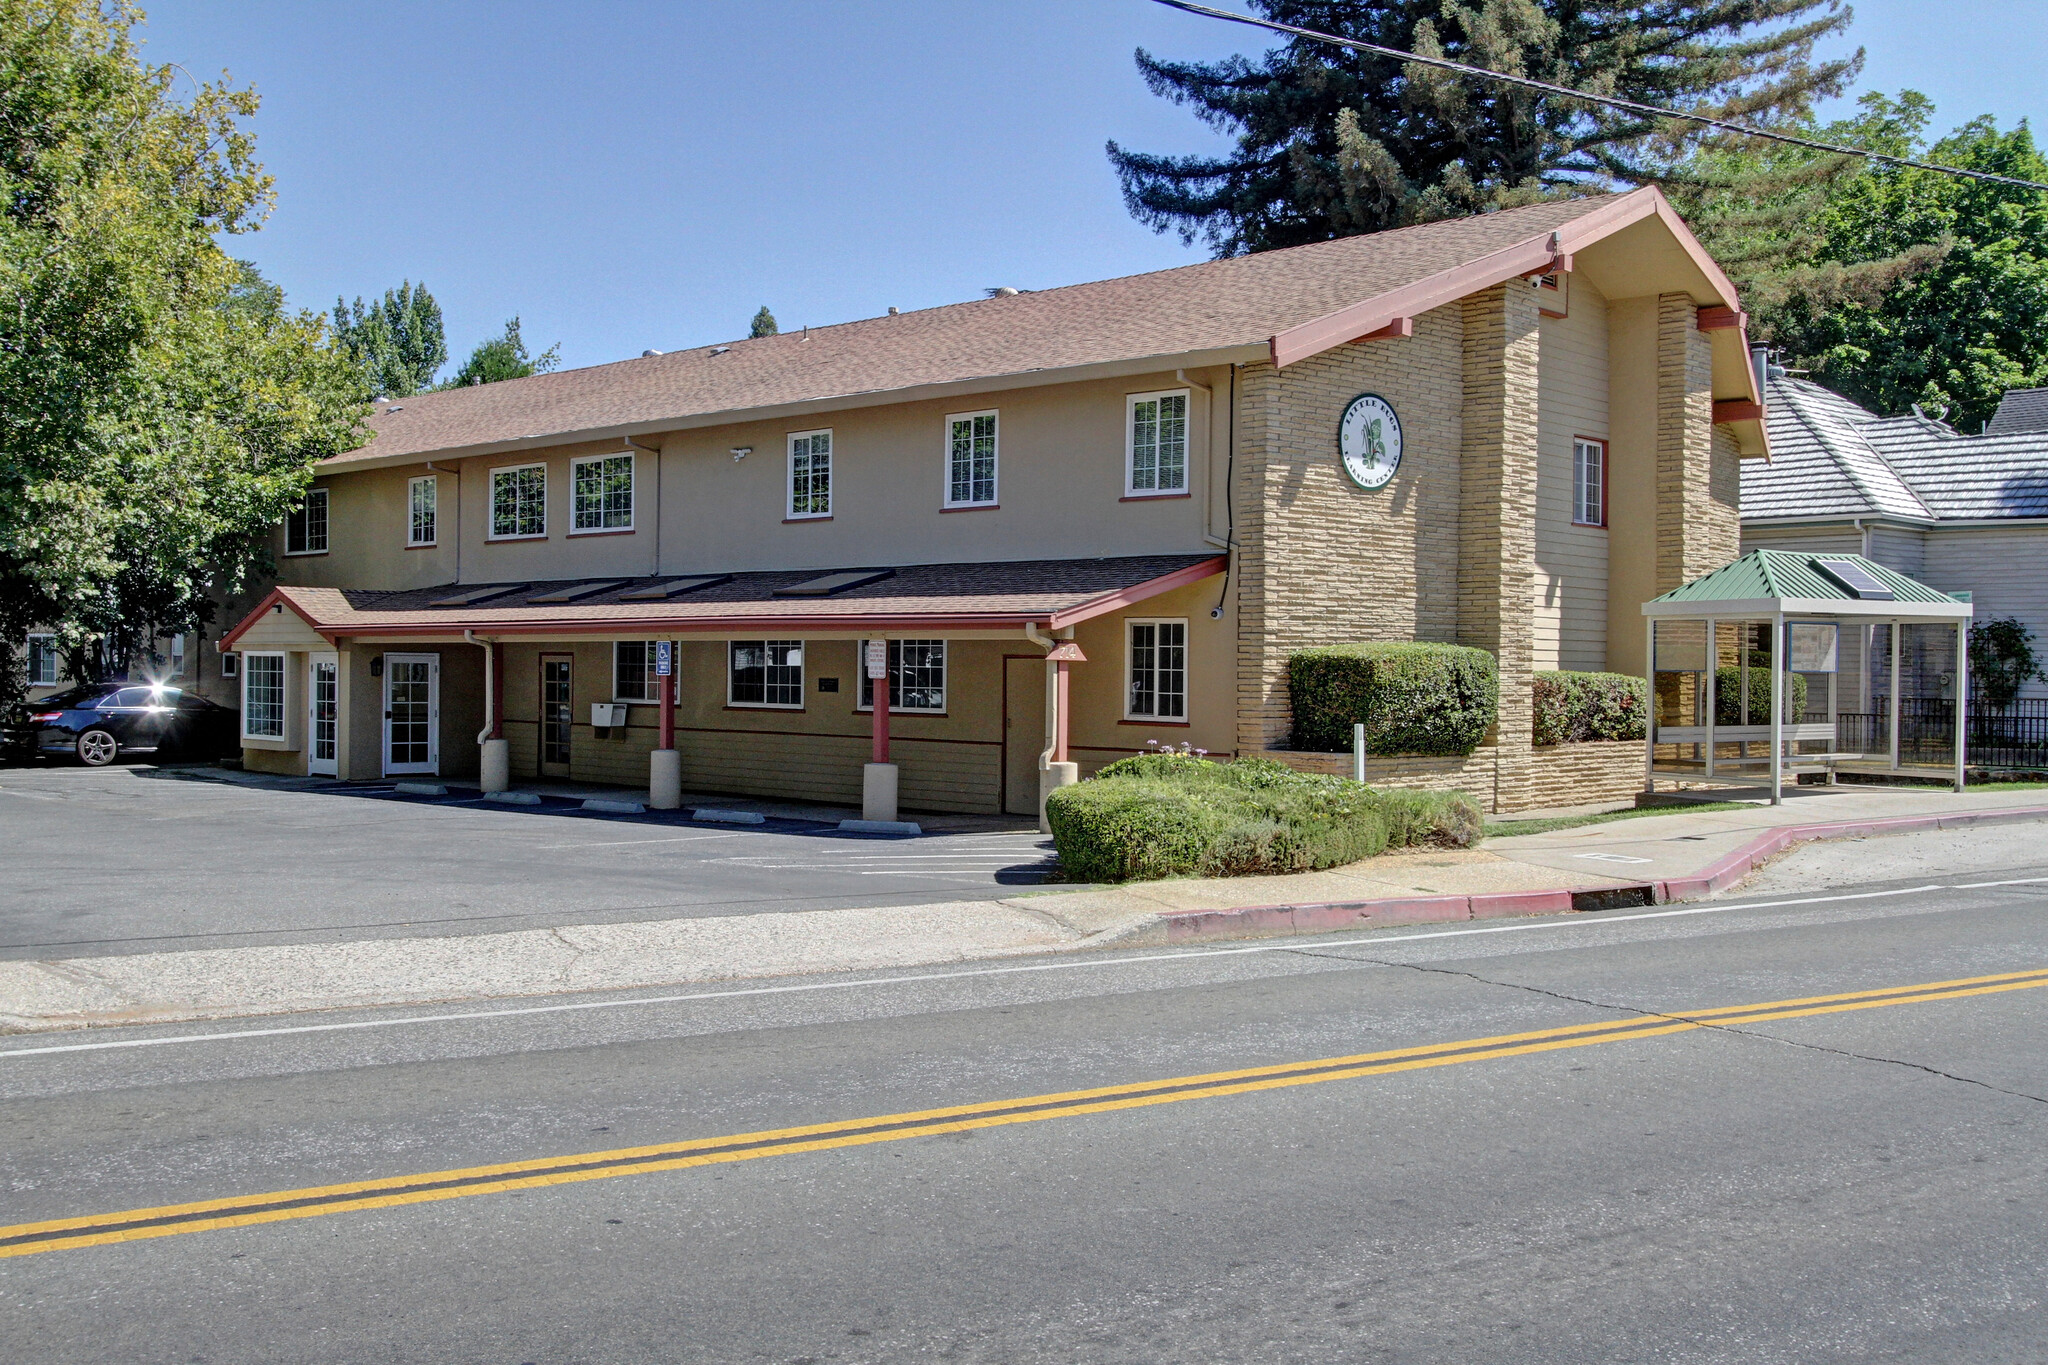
x=1178, y=815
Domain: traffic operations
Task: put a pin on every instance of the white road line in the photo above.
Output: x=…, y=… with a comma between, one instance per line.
x=624, y=843
x=1065, y=964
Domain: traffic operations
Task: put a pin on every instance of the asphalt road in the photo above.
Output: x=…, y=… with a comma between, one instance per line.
x=221, y=864
x=1837, y=1180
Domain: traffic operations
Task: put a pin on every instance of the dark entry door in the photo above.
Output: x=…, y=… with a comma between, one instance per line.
x=556, y=715
x=1023, y=732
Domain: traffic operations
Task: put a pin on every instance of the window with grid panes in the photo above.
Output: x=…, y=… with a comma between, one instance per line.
x=263, y=696
x=917, y=676
x=42, y=661
x=305, y=530
x=1158, y=684
x=1159, y=443
x=971, y=473
x=633, y=676
x=810, y=474
x=603, y=493
x=765, y=673
x=519, y=501
x=422, y=499
x=1589, y=482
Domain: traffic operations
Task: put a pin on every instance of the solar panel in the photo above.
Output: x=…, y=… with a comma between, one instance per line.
x=1859, y=581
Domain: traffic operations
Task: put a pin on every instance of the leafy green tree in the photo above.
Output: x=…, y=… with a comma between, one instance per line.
x=764, y=324
x=1331, y=142
x=503, y=357
x=2002, y=659
x=398, y=340
x=1893, y=285
x=160, y=409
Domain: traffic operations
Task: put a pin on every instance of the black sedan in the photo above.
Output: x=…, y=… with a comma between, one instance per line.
x=99, y=722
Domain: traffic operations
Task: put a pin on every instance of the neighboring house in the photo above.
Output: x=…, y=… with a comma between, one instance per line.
x=187, y=662
x=1959, y=513
x=1175, y=479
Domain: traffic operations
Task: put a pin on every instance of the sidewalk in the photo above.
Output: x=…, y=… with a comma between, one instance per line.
x=1642, y=860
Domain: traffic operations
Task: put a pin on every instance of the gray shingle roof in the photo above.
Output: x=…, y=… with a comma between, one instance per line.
x=1832, y=458
x=2019, y=412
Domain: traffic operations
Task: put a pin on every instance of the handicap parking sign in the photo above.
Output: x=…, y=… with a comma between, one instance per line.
x=662, y=658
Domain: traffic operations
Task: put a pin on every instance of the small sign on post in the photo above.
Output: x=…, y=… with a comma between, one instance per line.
x=878, y=658
x=664, y=658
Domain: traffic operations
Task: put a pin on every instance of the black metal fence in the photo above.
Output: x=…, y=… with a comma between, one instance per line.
x=2015, y=737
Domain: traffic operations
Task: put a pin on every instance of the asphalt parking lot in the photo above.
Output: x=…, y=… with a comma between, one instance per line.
x=136, y=858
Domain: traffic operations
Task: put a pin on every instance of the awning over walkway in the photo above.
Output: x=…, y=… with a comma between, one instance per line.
x=935, y=598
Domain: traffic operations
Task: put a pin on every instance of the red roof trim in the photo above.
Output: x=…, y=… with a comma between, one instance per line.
x=1138, y=592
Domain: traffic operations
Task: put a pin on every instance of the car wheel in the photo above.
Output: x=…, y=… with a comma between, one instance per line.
x=97, y=748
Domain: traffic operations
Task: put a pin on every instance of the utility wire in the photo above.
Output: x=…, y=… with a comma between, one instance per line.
x=1647, y=110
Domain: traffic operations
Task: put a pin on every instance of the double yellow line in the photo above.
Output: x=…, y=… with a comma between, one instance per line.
x=243, y=1210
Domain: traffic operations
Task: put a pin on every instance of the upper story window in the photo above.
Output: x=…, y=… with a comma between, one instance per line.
x=971, y=459
x=1156, y=686
x=765, y=673
x=1589, y=482
x=519, y=502
x=810, y=475
x=42, y=661
x=633, y=675
x=917, y=676
x=604, y=493
x=263, y=696
x=422, y=499
x=1157, y=444
x=305, y=530
x=231, y=665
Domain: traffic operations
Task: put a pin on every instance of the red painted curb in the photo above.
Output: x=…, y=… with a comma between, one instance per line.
x=1272, y=921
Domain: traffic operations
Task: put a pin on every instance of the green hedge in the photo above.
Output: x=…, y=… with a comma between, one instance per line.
x=1170, y=815
x=1576, y=708
x=1728, y=696
x=1413, y=698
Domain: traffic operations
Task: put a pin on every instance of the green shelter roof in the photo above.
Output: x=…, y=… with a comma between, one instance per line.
x=1795, y=575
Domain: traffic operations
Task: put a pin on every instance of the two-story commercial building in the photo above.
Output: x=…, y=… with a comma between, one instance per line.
x=1073, y=522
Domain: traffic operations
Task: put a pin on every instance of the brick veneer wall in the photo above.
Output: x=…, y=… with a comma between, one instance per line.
x=1558, y=775
x=1699, y=525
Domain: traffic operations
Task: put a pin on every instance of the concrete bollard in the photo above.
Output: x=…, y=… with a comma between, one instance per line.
x=665, y=780
x=1051, y=779
x=496, y=771
x=878, y=791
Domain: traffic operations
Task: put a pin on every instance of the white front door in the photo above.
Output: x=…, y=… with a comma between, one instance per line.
x=323, y=718
x=412, y=713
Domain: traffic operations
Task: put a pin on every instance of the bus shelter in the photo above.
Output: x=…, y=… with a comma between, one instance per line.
x=1736, y=657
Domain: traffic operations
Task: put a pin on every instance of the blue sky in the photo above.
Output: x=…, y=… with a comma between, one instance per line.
x=648, y=174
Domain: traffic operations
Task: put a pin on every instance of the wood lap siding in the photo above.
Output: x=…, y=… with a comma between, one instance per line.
x=2001, y=568
x=1571, y=561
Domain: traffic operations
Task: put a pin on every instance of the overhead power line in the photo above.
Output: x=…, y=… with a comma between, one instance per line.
x=1646, y=110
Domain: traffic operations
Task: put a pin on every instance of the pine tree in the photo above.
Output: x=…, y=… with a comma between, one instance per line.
x=1332, y=142
x=397, y=340
x=764, y=324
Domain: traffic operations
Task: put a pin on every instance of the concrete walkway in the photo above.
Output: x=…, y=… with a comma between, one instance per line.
x=1649, y=858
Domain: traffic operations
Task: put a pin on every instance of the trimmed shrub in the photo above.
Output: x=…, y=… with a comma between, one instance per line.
x=1413, y=698
x=1577, y=708
x=1170, y=815
x=1728, y=696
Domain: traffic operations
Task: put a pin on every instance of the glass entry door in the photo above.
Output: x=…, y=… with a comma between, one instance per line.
x=323, y=728
x=557, y=724
x=412, y=713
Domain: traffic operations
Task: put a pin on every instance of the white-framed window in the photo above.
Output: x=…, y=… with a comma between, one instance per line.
x=42, y=660
x=1589, y=481
x=765, y=673
x=1156, y=444
x=971, y=459
x=519, y=502
x=810, y=475
x=633, y=676
x=231, y=665
x=602, y=486
x=305, y=530
x=263, y=696
x=177, y=656
x=1156, y=670
x=423, y=510
x=917, y=676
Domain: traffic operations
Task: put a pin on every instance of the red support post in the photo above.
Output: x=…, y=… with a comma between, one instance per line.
x=497, y=691
x=1060, y=712
x=668, y=708
x=881, y=686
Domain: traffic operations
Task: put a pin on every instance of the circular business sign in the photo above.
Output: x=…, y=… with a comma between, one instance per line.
x=1369, y=441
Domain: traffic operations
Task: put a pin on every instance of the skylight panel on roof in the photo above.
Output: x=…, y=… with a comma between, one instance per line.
x=1859, y=581
x=576, y=592
x=661, y=592
x=475, y=595
x=827, y=584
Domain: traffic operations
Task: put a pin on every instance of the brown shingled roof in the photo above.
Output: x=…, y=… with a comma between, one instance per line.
x=1050, y=592
x=1241, y=301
